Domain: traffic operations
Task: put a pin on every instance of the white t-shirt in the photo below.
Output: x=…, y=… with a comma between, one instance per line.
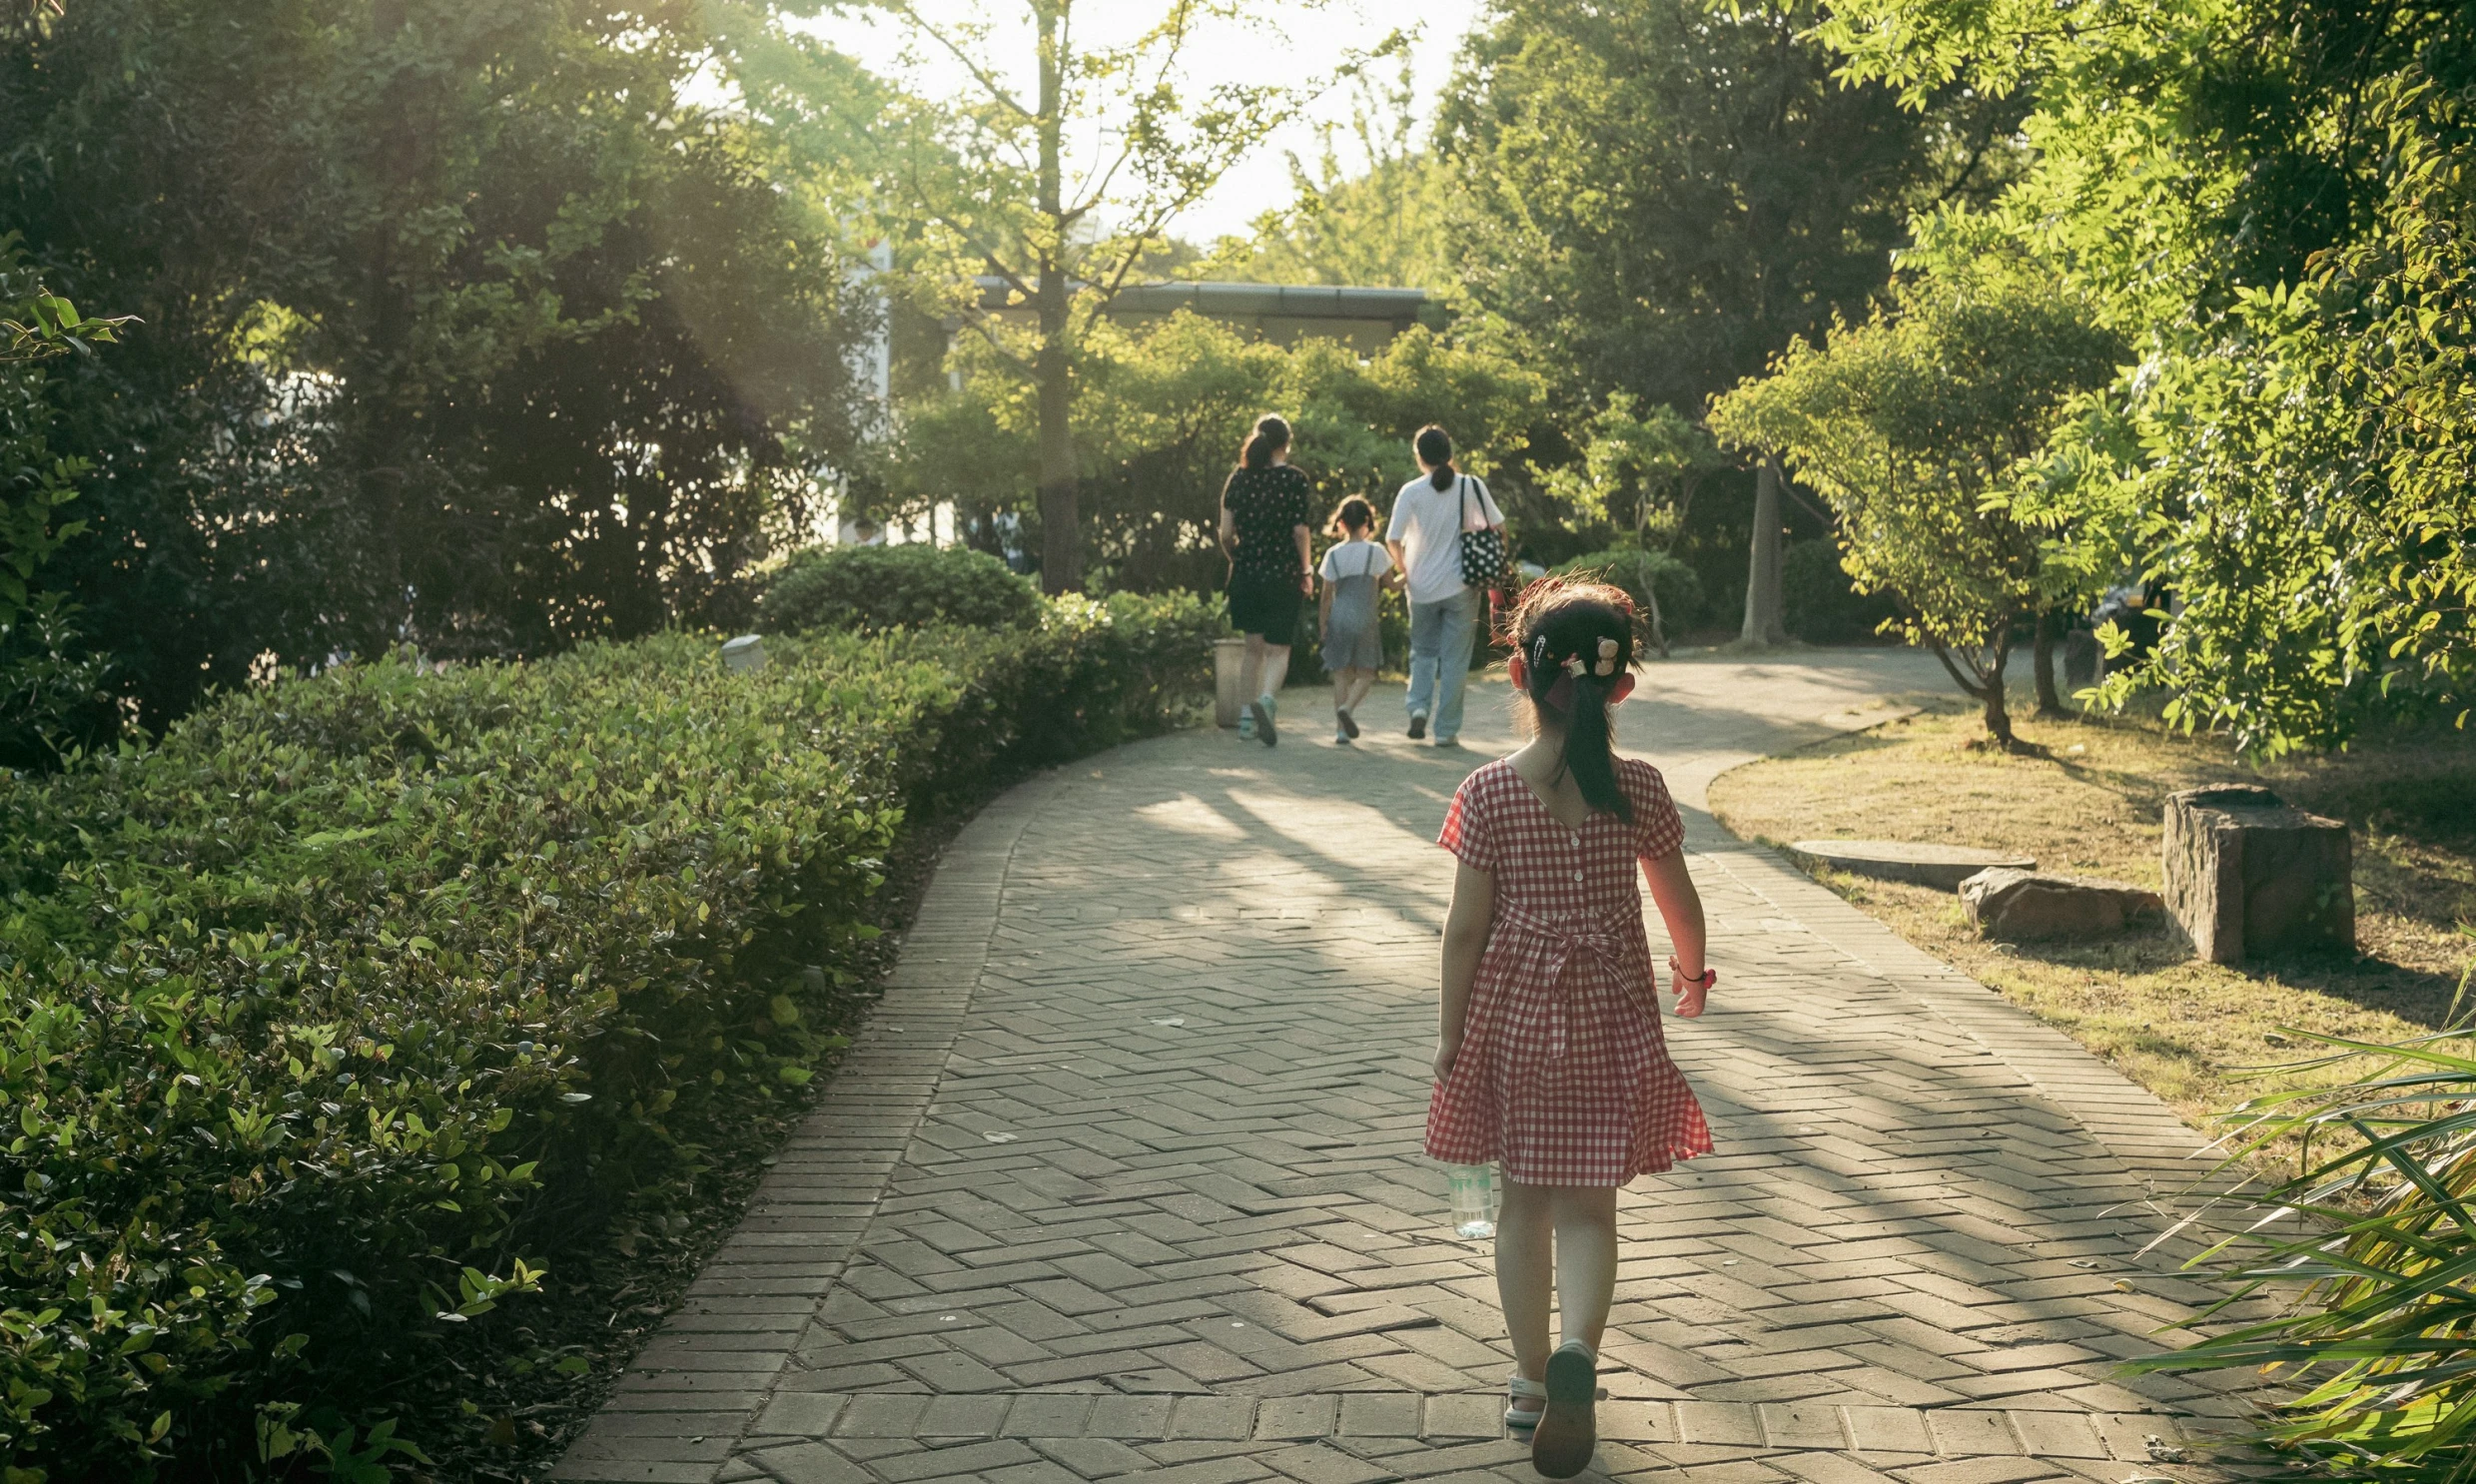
x=1429, y=523
x=1355, y=559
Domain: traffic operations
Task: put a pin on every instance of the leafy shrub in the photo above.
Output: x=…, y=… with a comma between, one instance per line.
x=322, y=1014
x=1642, y=573
x=2376, y=1338
x=868, y=588
x=1818, y=603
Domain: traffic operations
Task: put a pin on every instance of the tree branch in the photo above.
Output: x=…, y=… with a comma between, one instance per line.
x=996, y=90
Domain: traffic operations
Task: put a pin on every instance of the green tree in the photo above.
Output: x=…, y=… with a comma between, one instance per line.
x=463, y=328
x=50, y=691
x=1165, y=405
x=2270, y=196
x=1671, y=190
x=1379, y=216
x=990, y=184
x=1915, y=425
x=1639, y=470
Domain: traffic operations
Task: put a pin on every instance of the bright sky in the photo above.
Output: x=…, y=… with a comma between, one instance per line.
x=1287, y=40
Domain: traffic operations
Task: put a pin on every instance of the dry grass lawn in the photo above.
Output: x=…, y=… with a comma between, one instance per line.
x=2203, y=1036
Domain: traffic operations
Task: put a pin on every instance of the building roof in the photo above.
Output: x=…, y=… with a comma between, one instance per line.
x=1230, y=300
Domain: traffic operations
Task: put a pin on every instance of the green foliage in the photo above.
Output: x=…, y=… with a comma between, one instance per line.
x=1163, y=408
x=984, y=178
x=460, y=327
x=1820, y=603
x=2271, y=201
x=1381, y=220
x=51, y=691
x=1668, y=193
x=1913, y=426
x=1643, y=574
x=2373, y=1334
x=1638, y=470
x=912, y=585
x=321, y=1016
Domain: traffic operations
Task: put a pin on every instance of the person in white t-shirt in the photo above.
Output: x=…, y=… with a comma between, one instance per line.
x=1424, y=537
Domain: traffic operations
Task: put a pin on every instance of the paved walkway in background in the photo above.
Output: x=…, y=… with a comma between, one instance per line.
x=1123, y=1179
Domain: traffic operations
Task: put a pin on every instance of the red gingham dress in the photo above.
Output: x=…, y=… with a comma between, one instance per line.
x=1563, y=1075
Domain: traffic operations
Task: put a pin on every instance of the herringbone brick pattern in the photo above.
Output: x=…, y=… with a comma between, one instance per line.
x=1123, y=1179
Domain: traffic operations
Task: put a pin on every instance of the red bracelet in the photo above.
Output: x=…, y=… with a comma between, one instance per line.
x=1706, y=978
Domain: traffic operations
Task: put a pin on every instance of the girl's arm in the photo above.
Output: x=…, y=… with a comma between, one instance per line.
x=1229, y=527
x=1680, y=907
x=1324, y=607
x=1465, y=938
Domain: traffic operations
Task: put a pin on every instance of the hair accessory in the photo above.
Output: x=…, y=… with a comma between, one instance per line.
x=1607, y=657
x=1573, y=664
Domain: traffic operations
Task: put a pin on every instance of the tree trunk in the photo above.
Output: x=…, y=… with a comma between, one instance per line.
x=1765, y=625
x=1998, y=715
x=2042, y=663
x=1987, y=690
x=1062, y=546
x=1062, y=539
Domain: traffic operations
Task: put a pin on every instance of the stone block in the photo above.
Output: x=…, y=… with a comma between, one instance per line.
x=1940, y=866
x=2021, y=905
x=2248, y=873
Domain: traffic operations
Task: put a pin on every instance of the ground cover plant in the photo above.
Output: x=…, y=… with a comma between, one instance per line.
x=2091, y=806
x=2371, y=1332
x=331, y=1020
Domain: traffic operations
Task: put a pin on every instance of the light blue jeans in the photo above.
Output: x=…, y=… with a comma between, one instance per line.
x=1441, y=638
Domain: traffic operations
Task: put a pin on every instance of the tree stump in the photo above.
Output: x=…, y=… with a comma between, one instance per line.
x=2248, y=873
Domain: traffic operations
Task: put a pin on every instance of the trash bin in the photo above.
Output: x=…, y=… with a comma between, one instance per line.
x=746, y=654
x=1229, y=658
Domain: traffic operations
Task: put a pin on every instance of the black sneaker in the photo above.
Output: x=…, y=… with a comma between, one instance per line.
x=1418, y=725
x=1349, y=723
x=1266, y=732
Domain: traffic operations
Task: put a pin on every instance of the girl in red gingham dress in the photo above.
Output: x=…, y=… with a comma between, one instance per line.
x=1550, y=1061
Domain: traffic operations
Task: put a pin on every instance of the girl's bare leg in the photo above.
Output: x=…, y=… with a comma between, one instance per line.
x=1526, y=1269
x=1340, y=689
x=1275, y=667
x=1585, y=1221
x=1361, y=681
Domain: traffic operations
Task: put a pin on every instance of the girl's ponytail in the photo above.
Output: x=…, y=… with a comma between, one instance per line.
x=1576, y=642
x=1271, y=435
x=1435, y=449
x=1588, y=748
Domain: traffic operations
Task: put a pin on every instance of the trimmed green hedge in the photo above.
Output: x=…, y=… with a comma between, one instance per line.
x=869, y=588
x=321, y=1015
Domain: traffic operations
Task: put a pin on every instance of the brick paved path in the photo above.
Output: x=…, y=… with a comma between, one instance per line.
x=1123, y=1179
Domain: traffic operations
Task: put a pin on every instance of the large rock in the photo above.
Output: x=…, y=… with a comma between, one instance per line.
x=1940, y=866
x=2004, y=902
x=2248, y=873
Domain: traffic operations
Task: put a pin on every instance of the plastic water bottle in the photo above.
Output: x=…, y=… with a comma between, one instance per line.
x=1475, y=1198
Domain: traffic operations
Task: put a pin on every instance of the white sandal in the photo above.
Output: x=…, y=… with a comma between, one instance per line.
x=1522, y=1388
